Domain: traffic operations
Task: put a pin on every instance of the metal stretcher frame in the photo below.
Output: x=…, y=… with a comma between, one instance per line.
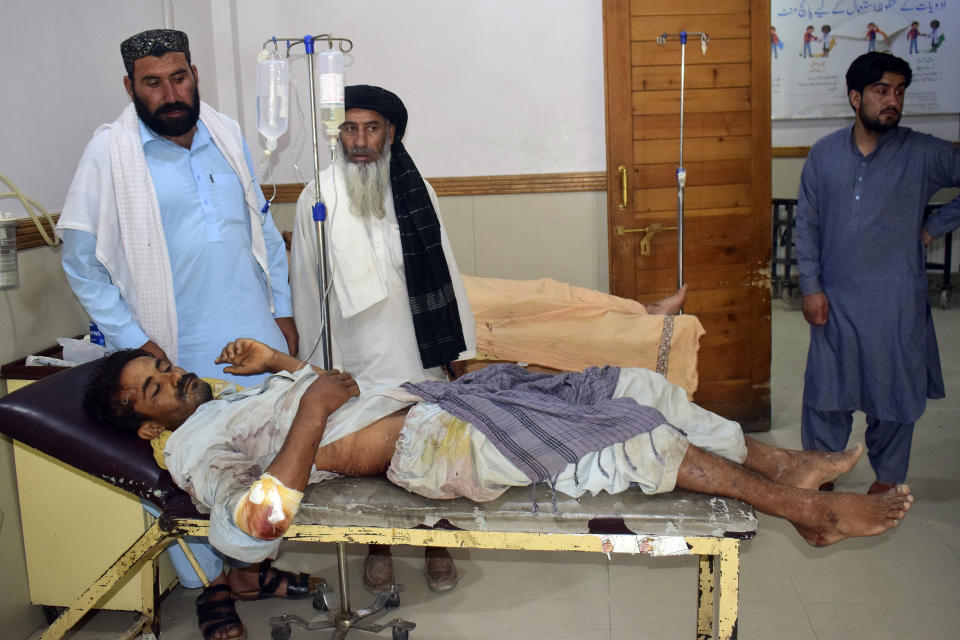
x=47, y=416
x=718, y=568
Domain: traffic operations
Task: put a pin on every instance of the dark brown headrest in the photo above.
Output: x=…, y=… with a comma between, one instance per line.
x=48, y=415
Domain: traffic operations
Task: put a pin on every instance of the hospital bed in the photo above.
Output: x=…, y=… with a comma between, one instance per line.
x=47, y=416
x=585, y=327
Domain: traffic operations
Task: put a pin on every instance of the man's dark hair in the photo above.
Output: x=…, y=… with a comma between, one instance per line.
x=870, y=67
x=102, y=399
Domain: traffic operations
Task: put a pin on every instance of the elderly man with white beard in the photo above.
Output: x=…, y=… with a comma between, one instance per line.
x=398, y=307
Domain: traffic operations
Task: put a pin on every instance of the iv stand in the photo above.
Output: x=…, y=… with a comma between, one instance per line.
x=319, y=217
x=344, y=618
x=681, y=172
x=319, y=208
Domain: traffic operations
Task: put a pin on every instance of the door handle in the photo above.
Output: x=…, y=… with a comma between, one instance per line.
x=623, y=186
x=649, y=233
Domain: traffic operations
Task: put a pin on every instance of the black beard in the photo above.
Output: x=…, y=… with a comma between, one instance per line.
x=874, y=124
x=170, y=127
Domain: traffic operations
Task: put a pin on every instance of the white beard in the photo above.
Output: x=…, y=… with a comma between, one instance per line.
x=366, y=183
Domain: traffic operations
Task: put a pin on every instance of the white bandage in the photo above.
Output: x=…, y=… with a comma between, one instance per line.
x=266, y=510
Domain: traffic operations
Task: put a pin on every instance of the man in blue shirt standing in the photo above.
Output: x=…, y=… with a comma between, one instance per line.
x=860, y=238
x=168, y=247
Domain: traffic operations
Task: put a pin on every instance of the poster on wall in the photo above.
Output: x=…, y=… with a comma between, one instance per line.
x=812, y=42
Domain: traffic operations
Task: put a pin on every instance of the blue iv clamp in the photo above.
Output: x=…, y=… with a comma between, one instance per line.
x=319, y=212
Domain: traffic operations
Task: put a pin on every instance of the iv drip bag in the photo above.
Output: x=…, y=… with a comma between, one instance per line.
x=273, y=93
x=330, y=64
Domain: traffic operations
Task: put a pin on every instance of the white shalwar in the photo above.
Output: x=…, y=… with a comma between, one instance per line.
x=372, y=327
x=227, y=444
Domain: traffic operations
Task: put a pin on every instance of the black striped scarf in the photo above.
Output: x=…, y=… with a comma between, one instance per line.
x=433, y=303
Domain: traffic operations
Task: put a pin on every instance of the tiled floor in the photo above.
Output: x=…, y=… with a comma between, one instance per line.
x=899, y=585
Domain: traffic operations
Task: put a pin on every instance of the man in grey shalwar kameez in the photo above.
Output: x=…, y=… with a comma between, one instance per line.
x=860, y=238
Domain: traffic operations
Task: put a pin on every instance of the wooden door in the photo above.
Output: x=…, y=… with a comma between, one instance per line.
x=726, y=153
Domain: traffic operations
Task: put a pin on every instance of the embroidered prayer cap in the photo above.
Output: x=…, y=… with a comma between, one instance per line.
x=153, y=42
x=386, y=103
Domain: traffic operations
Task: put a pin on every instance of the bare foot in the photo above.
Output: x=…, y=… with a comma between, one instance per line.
x=810, y=469
x=837, y=516
x=670, y=305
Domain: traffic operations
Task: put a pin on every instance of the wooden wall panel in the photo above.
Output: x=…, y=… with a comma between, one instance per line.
x=722, y=195
x=687, y=7
x=656, y=282
x=695, y=101
x=694, y=149
x=695, y=125
x=664, y=253
x=648, y=52
x=698, y=173
x=701, y=76
x=731, y=25
x=719, y=225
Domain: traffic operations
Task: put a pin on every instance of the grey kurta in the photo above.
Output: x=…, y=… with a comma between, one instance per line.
x=857, y=239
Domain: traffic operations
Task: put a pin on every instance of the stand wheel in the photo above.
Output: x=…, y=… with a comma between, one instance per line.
x=281, y=632
x=400, y=634
x=944, y=298
x=392, y=603
x=318, y=602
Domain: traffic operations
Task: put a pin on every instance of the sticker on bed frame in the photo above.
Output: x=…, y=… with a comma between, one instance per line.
x=653, y=545
x=663, y=353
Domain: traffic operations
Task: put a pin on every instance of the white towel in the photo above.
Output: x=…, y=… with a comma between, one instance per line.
x=131, y=245
x=356, y=276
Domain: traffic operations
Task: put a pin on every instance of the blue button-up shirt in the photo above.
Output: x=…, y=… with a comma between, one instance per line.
x=221, y=292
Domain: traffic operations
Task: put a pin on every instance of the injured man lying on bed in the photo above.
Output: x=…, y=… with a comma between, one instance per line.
x=248, y=456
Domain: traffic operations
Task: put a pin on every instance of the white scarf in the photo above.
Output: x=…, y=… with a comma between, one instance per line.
x=130, y=241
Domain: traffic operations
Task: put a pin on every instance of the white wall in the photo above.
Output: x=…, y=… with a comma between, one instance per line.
x=495, y=87
x=61, y=74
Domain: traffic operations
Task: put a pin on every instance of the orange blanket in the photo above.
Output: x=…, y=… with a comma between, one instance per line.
x=556, y=325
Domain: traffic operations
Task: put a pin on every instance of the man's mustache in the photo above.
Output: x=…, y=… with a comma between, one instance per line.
x=171, y=106
x=360, y=151
x=185, y=381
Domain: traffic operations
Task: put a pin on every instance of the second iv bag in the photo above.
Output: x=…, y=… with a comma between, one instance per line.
x=273, y=97
x=330, y=64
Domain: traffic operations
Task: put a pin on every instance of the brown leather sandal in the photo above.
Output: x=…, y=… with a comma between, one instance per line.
x=214, y=615
x=298, y=586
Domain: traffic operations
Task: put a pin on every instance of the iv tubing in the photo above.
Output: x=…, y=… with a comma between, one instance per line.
x=26, y=201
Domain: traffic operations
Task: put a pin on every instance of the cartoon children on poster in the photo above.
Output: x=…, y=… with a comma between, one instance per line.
x=828, y=41
x=808, y=38
x=936, y=38
x=871, y=36
x=775, y=43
